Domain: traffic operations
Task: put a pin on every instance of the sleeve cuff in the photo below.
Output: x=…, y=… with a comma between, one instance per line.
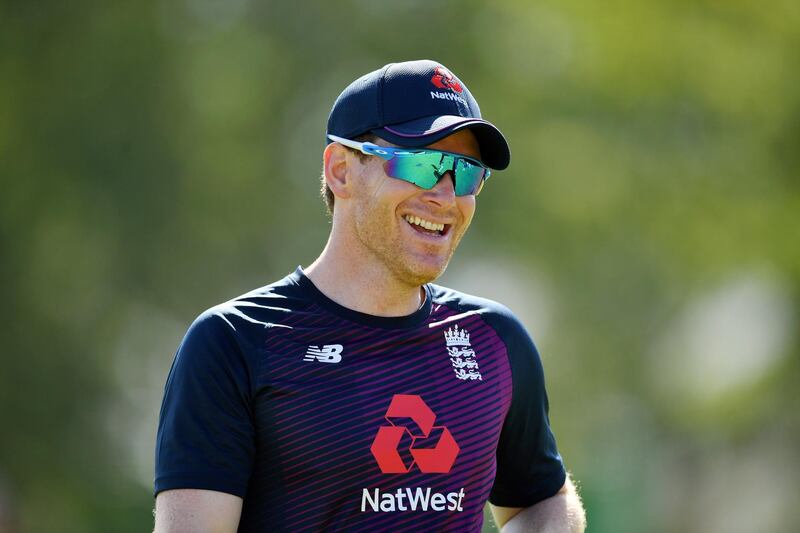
x=217, y=482
x=545, y=489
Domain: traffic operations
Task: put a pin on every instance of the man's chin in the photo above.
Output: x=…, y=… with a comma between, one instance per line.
x=418, y=275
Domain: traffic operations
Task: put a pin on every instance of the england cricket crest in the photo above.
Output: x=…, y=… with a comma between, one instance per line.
x=462, y=356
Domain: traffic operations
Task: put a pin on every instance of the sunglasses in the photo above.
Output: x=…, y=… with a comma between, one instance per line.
x=424, y=168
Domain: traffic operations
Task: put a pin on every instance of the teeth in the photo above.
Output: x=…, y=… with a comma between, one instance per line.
x=424, y=223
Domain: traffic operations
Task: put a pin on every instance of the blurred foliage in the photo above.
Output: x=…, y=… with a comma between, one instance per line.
x=159, y=157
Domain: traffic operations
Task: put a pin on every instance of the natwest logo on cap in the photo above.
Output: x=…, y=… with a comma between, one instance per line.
x=444, y=79
x=413, y=439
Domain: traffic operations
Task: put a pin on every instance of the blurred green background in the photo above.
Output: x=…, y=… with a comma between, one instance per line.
x=159, y=157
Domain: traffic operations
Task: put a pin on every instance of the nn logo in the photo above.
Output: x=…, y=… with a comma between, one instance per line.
x=413, y=439
x=329, y=353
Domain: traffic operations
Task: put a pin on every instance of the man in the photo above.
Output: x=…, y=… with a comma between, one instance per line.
x=353, y=394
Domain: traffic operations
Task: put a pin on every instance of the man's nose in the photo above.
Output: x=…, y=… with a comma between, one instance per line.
x=444, y=192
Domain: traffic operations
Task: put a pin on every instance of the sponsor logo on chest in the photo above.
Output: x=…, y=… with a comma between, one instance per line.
x=407, y=499
x=411, y=439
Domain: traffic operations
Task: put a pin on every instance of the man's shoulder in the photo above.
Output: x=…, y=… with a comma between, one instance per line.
x=521, y=348
x=264, y=307
x=496, y=314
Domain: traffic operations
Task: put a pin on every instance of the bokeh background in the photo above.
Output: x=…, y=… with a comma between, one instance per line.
x=161, y=156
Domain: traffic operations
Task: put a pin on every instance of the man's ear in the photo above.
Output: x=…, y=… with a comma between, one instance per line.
x=337, y=169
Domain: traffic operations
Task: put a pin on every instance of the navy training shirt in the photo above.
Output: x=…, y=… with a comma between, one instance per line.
x=325, y=418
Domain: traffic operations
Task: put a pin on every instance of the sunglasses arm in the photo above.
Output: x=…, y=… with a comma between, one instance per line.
x=366, y=148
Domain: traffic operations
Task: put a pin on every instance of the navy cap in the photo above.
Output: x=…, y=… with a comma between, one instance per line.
x=414, y=104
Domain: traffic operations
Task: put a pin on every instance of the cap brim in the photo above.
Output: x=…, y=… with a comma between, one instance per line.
x=427, y=130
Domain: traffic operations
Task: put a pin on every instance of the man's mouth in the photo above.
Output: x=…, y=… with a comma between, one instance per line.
x=426, y=226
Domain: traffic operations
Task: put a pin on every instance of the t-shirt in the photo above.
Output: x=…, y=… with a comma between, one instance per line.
x=324, y=418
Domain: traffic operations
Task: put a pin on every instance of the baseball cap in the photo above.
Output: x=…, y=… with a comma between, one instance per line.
x=414, y=104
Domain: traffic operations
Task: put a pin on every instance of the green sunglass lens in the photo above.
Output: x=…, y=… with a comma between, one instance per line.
x=469, y=177
x=424, y=169
x=421, y=169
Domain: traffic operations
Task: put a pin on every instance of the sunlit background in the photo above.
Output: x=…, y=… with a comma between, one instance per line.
x=158, y=157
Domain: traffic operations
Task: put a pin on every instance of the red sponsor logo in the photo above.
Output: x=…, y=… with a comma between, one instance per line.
x=444, y=79
x=413, y=439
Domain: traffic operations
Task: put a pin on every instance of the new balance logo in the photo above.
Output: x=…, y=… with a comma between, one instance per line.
x=330, y=353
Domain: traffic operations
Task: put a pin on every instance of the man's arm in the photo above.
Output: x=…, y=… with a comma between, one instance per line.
x=197, y=511
x=205, y=444
x=561, y=513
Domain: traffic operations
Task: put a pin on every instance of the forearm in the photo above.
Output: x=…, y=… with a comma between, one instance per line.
x=561, y=513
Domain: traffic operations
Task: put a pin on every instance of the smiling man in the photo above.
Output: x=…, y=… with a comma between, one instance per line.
x=354, y=394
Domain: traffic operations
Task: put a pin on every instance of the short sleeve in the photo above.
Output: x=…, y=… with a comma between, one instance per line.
x=205, y=434
x=529, y=467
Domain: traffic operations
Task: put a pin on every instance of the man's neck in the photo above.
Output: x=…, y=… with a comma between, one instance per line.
x=364, y=286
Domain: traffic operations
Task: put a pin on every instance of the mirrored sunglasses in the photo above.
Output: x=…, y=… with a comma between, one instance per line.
x=424, y=168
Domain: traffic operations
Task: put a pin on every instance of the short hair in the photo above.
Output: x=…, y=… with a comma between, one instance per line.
x=325, y=191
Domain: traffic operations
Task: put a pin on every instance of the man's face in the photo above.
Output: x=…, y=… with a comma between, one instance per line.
x=385, y=212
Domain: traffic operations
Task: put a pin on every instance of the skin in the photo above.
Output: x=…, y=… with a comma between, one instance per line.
x=561, y=513
x=376, y=263
x=197, y=511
